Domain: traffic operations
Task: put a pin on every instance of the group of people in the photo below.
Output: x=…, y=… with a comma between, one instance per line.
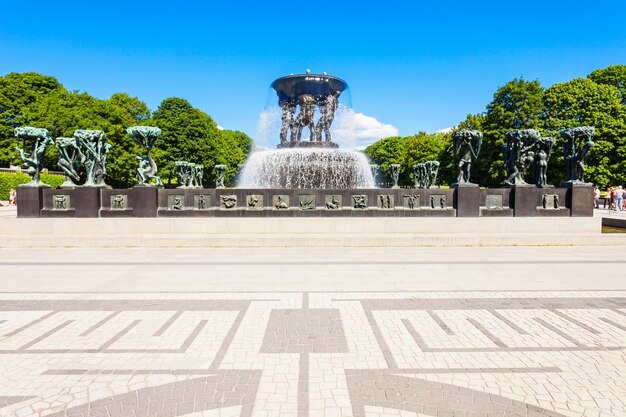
x=613, y=198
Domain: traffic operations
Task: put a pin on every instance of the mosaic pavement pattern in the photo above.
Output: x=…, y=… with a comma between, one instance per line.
x=358, y=354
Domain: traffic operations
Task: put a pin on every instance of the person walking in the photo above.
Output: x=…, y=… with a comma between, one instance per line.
x=607, y=198
x=596, y=197
x=619, y=198
x=12, y=197
x=612, y=196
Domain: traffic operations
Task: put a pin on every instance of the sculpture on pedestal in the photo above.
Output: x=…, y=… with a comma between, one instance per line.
x=519, y=154
x=425, y=174
x=220, y=169
x=288, y=109
x=37, y=140
x=300, y=97
x=577, y=147
x=375, y=170
x=189, y=174
x=395, y=174
x=419, y=174
x=432, y=170
x=146, y=136
x=183, y=172
x=305, y=118
x=197, y=175
x=467, y=145
x=327, y=105
x=543, y=148
x=96, y=150
x=70, y=160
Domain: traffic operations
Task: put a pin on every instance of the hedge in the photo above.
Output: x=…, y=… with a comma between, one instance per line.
x=9, y=180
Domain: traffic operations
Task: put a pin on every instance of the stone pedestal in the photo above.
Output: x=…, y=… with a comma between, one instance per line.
x=86, y=201
x=579, y=199
x=467, y=200
x=29, y=201
x=145, y=201
x=524, y=200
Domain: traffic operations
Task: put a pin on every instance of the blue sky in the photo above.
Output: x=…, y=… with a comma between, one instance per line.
x=411, y=65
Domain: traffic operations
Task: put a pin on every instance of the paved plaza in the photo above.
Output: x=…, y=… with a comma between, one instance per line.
x=312, y=332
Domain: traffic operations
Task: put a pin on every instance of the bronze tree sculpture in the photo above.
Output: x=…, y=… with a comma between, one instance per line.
x=37, y=140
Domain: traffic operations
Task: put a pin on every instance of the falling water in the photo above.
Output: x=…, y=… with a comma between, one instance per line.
x=307, y=168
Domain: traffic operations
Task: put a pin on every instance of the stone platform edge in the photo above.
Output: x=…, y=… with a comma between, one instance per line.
x=526, y=201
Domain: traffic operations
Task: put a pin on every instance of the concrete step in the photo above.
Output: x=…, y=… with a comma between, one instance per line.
x=303, y=232
x=313, y=240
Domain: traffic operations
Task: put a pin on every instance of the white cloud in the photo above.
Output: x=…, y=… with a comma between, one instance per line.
x=445, y=130
x=358, y=130
x=219, y=127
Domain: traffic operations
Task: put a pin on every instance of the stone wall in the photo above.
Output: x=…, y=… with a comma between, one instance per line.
x=521, y=201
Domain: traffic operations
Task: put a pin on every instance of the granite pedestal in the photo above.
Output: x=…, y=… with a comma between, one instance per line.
x=524, y=200
x=467, y=200
x=579, y=199
x=145, y=201
x=29, y=201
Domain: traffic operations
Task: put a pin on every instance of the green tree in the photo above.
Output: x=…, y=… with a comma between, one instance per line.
x=64, y=112
x=230, y=147
x=385, y=152
x=516, y=105
x=428, y=147
x=410, y=150
x=473, y=121
x=583, y=102
x=186, y=135
x=18, y=91
x=614, y=75
x=191, y=135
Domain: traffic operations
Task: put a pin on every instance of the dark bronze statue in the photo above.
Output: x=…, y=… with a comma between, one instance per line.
x=375, y=170
x=519, y=154
x=543, y=147
x=96, y=152
x=467, y=145
x=288, y=109
x=308, y=100
x=147, y=169
x=419, y=175
x=220, y=169
x=37, y=140
x=189, y=174
x=70, y=160
x=577, y=147
x=395, y=174
x=305, y=118
x=327, y=105
x=426, y=174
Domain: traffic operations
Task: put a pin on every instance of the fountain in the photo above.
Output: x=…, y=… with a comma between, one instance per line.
x=306, y=176
x=316, y=163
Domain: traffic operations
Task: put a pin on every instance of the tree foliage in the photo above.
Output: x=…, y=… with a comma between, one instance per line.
x=614, y=75
x=598, y=101
x=63, y=112
x=17, y=91
x=188, y=133
x=410, y=150
x=515, y=105
x=583, y=102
